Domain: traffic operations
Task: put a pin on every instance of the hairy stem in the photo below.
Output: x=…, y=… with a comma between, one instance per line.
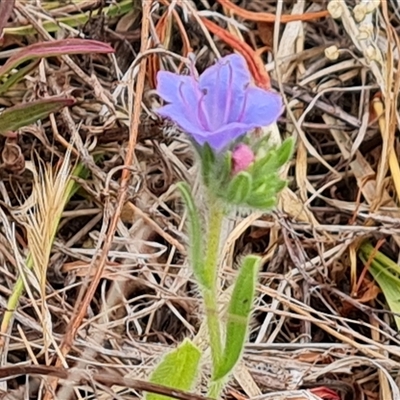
x=215, y=389
x=210, y=293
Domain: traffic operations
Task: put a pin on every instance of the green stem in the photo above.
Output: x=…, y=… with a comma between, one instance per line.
x=210, y=293
x=215, y=218
x=215, y=389
x=214, y=328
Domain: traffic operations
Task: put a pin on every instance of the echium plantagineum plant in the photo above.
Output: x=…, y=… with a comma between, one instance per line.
x=217, y=110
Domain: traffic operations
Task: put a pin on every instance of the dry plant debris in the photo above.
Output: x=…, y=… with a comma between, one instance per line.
x=114, y=291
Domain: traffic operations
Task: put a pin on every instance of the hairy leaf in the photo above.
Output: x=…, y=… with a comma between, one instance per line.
x=261, y=202
x=177, y=370
x=285, y=151
x=195, y=234
x=239, y=311
x=239, y=188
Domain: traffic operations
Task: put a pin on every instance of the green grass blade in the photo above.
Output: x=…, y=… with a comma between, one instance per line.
x=14, y=78
x=386, y=274
x=27, y=113
x=114, y=10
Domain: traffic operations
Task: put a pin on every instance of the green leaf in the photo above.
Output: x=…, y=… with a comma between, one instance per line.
x=261, y=202
x=14, y=78
x=196, y=246
x=269, y=187
x=275, y=158
x=240, y=306
x=177, y=370
x=386, y=274
x=266, y=184
x=267, y=164
x=390, y=286
x=27, y=113
x=239, y=188
x=263, y=196
x=366, y=248
x=285, y=151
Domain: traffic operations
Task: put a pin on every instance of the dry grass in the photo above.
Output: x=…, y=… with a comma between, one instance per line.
x=114, y=291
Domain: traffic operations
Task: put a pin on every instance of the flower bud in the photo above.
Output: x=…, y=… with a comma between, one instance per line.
x=242, y=157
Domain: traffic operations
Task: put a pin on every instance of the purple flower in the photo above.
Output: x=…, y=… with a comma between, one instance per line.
x=220, y=106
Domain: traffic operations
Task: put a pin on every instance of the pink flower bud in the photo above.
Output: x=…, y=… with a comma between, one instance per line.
x=242, y=157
